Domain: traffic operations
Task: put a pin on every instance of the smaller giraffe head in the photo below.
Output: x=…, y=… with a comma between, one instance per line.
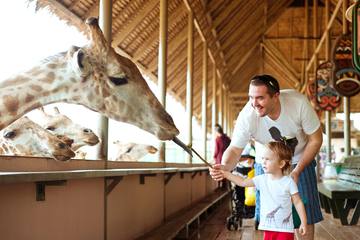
x=133, y=151
x=30, y=139
x=62, y=125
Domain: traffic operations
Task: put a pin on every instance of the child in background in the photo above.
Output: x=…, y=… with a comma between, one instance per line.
x=277, y=193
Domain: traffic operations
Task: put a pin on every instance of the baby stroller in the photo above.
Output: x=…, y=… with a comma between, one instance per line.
x=242, y=207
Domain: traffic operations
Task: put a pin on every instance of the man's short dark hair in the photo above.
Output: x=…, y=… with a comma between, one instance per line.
x=269, y=81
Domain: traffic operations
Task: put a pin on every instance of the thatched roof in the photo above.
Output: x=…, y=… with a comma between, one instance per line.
x=245, y=38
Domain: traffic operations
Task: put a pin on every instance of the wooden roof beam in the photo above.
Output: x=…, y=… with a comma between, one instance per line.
x=174, y=17
x=132, y=23
x=245, y=58
x=292, y=80
x=227, y=13
x=273, y=49
x=197, y=25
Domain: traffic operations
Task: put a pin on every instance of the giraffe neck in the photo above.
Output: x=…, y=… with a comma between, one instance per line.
x=42, y=85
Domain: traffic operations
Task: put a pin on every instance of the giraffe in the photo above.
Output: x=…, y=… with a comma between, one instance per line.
x=94, y=76
x=271, y=215
x=25, y=137
x=286, y=221
x=132, y=151
x=62, y=125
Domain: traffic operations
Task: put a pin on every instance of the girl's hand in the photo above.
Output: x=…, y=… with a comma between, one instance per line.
x=302, y=229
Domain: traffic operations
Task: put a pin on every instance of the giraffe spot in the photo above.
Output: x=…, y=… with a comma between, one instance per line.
x=106, y=92
x=29, y=98
x=2, y=126
x=15, y=81
x=35, y=71
x=51, y=65
x=36, y=87
x=97, y=90
x=50, y=77
x=11, y=104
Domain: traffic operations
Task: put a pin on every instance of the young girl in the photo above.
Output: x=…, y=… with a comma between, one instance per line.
x=277, y=193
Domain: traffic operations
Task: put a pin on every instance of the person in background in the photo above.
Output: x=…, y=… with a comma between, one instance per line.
x=222, y=141
x=278, y=192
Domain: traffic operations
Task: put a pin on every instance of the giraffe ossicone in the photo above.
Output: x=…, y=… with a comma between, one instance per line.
x=94, y=76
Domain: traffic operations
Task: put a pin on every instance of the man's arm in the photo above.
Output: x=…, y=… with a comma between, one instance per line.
x=311, y=149
x=230, y=157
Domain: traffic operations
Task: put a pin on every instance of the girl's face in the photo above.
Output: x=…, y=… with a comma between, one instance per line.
x=271, y=162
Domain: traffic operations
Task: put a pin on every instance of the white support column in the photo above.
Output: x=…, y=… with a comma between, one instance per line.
x=162, y=65
x=214, y=102
x=189, y=79
x=105, y=23
x=346, y=100
x=204, y=99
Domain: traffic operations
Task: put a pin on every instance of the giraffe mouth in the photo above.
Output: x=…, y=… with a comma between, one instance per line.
x=62, y=158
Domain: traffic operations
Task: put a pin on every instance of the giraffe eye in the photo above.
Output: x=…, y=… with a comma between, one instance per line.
x=87, y=130
x=50, y=128
x=129, y=150
x=10, y=134
x=118, y=80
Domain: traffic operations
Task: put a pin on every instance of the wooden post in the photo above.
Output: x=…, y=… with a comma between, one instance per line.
x=346, y=100
x=204, y=98
x=221, y=102
x=327, y=57
x=105, y=22
x=315, y=32
x=162, y=65
x=214, y=102
x=189, y=79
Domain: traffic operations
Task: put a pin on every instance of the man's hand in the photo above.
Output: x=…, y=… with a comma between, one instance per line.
x=216, y=172
x=295, y=174
x=302, y=229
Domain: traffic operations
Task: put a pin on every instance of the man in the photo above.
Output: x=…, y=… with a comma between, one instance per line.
x=284, y=115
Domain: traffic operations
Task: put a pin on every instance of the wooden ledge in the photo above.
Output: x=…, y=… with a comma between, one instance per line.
x=16, y=177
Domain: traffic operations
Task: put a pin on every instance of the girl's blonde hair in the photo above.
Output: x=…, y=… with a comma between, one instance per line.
x=283, y=152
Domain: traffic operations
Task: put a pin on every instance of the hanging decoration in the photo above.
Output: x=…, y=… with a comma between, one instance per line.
x=346, y=79
x=327, y=97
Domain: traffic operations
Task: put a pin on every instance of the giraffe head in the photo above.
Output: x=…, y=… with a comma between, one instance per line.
x=133, y=151
x=28, y=138
x=60, y=124
x=113, y=85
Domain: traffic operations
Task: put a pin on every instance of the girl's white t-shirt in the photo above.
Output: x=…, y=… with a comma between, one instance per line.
x=276, y=205
x=297, y=120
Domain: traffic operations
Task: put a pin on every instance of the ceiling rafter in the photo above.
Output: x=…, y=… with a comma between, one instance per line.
x=120, y=35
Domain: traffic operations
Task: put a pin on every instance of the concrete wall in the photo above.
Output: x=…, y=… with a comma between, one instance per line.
x=76, y=210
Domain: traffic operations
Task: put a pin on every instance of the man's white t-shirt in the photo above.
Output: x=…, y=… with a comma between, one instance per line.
x=276, y=205
x=297, y=120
